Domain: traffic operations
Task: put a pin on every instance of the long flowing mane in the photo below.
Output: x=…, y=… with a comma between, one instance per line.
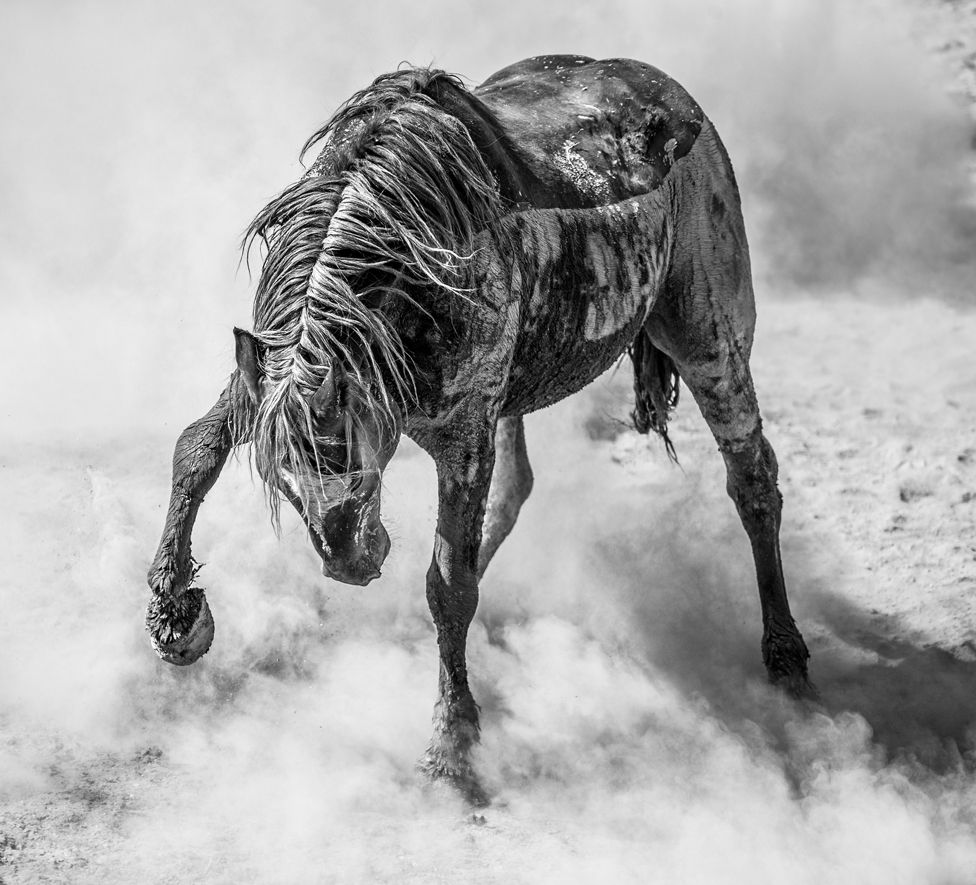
x=388, y=210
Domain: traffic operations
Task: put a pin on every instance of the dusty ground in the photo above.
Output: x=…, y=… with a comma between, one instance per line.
x=640, y=621
x=619, y=674
x=629, y=734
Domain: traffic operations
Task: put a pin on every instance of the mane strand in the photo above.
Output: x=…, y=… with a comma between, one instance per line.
x=389, y=210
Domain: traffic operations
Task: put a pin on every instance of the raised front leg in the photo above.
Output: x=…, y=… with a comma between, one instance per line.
x=463, y=478
x=511, y=484
x=180, y=625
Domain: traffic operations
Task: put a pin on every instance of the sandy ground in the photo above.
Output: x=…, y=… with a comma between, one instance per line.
x=619, y=672
x=629, y=734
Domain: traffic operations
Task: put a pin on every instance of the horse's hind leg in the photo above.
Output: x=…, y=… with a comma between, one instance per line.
x=724, y=392
x=704, y=320
x=511, y=483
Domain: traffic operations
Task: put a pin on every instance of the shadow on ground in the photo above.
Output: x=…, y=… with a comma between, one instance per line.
x=920, y=700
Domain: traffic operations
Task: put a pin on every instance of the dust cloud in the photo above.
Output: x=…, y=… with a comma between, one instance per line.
x=628, y=732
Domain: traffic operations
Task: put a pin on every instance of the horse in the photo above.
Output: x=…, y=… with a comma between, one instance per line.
x=453, y=259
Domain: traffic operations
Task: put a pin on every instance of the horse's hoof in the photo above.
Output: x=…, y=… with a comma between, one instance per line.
x=181, y=633
x=459, y=778
x=472, y=792
x=785, y=656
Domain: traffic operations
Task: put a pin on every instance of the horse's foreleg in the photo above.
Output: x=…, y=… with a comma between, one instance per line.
x=511, y=484
x=178, y=618
x=463, y=480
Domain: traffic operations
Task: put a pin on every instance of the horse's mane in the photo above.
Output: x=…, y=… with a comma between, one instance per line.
x=388, y=210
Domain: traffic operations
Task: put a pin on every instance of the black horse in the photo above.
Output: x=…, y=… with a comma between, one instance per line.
x=452, y=260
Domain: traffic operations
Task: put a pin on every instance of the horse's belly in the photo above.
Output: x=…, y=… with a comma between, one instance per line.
x=566, y=349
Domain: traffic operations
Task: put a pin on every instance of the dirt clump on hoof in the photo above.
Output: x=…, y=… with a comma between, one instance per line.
x=182, y=631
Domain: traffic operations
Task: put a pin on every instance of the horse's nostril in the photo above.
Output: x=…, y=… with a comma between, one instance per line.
x=369, y=571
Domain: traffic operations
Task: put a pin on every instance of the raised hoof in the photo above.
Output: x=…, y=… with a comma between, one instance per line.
x=458, y=777
x=182, y=632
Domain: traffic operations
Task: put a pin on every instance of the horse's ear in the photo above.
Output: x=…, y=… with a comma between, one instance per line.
x=325, y=400
x=247, y=349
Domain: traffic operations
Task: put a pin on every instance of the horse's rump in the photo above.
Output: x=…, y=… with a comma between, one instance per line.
x=593, y=132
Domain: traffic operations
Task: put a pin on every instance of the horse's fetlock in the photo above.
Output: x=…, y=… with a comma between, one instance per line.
x=457, y=711
x=162, y=579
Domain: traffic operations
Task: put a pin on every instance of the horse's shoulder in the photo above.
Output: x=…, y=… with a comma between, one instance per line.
x=598, y=130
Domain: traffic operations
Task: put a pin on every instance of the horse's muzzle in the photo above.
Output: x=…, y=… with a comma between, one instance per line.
x=358, y=577
x=357, y=564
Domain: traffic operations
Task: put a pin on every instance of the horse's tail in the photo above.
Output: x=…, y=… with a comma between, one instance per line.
x=656, y=385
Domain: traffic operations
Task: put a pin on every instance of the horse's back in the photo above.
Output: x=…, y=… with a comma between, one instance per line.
x=592, y=132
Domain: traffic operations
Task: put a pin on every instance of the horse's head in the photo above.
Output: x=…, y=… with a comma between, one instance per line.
x=327, y=461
